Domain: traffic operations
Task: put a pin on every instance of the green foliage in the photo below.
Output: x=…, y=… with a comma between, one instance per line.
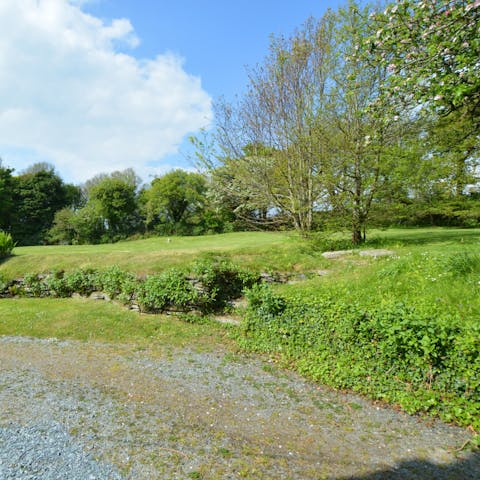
x=116, y=282
x=425, y=40
x=168, y=290
x=57, y=285
x=419, y=357
x=87, y=223
x=215, y=284
x=463, y=264
x=37, y=196
x=325, y=242
x=63, y=231
x=265, y=303
x=175, y=202
x=34, y=286
x=6, y=244
x=221, y=281
x=6, y=196
x=116, y=202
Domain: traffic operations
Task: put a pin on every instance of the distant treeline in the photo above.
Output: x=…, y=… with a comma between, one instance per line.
x=37, y=207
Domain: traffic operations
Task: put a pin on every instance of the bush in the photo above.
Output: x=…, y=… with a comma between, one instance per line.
x=166, y=291
x=463, y=263
x=6, y=244
x=221, y=281
x=216, y=283
x=57, y=285
x=83, y=281
x=116, y=282
x=34, y=286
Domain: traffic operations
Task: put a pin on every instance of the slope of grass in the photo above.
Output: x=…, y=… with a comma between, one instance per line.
x=259, y=250
x=88, y=320
x=267, y=251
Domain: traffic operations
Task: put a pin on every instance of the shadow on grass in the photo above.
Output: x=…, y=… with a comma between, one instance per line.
x=423, y=237
x=464, y=469
x=5, y=259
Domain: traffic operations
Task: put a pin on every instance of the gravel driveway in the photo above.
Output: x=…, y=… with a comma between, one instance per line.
x=72, y=410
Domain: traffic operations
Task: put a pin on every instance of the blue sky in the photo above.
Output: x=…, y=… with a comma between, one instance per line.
x=216, y=38
x=100, y=85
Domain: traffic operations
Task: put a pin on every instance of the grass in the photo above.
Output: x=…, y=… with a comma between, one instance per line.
x=437, y=266
x=158, y=253
x=263, y=251
x=88, y=320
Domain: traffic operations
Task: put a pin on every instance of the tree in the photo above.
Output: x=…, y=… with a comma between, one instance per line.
x=36, y=196
x=88, y=225
x=6, y=197
x=174, y=201
x=268, y=139
x=357, y=135
x=115, y=201
x=63, y=231
x=433, y=50
x=127, y=176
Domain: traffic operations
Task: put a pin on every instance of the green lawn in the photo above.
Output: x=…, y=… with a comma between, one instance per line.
x=268, y=251
x=88, y=320
x=153, y=254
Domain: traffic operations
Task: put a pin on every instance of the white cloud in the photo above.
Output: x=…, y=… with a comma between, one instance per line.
x=68, y=94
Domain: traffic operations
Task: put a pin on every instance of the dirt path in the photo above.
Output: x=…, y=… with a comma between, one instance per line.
x=172, y=414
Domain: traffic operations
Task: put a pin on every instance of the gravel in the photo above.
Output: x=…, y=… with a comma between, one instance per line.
x=95, y=411
x=46, y=451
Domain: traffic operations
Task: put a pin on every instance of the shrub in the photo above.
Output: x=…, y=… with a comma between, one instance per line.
x=83, y=281
x=168, y=290
x=263, y=303
x=57, y=285
x=463, y=263
x=221, y=281
x=6, y=244
x=34, y=286
x=116, y=282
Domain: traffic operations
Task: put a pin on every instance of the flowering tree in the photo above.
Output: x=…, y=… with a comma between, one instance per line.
x=432, y=49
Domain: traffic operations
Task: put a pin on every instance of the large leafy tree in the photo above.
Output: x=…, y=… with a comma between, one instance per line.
x=115, y=201
x=268, y=139
x=433, y=51
x=37, y=195
x=359, y=139
x=175, y=201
